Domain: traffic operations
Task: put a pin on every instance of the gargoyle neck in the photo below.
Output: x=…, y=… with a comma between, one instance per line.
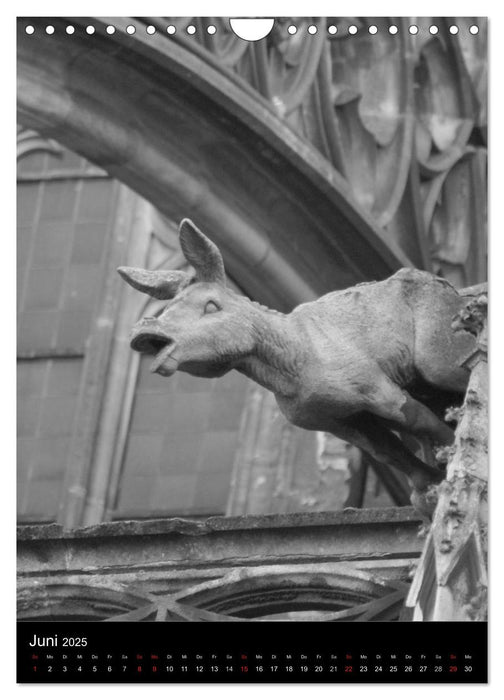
x=277, y=358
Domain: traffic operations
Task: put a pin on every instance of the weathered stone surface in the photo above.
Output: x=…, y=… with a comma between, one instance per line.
x=220, y=566
x=144, y=548
x=183, y=526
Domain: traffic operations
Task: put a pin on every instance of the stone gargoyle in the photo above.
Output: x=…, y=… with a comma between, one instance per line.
x=364, y=363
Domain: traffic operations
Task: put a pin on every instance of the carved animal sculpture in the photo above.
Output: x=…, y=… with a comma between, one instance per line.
x=350, y=363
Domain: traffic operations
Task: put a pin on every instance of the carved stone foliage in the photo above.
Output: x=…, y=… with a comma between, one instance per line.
x=401, y=116
x=451, y=580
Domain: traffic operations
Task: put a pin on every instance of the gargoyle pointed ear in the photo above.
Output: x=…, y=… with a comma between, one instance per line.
x=160, y=284
x=201, y=253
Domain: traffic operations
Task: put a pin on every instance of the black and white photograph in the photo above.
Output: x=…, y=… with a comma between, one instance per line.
x=252, y=379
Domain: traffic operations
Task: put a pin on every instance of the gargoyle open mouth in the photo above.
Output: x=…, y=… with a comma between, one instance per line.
x=160, y=346
x=150, y=343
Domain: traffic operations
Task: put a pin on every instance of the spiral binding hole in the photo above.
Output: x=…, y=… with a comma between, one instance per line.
x=292, y=29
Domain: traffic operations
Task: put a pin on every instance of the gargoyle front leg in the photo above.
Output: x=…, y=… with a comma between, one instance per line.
x=403, y=412
x=364, y=431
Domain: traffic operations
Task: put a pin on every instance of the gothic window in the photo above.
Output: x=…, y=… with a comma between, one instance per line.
x=64, y=217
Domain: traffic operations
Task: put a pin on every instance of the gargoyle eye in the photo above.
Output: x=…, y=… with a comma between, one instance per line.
x=211, y=307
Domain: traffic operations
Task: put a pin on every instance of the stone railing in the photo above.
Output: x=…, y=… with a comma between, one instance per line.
x=351, y=565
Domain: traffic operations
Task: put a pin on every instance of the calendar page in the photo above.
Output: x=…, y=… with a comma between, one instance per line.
x=252, y=350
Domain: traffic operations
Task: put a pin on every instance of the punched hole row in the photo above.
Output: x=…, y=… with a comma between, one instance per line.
x=211, y=29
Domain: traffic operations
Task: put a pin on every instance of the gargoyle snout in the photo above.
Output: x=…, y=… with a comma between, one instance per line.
x=148, y=338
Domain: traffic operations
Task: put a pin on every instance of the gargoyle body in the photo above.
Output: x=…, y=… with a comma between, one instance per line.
x=363, y=363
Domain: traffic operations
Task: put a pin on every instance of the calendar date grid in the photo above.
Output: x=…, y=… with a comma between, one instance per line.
x=254, y=663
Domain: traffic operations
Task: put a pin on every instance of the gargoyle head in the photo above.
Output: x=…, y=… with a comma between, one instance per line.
x=203, y=327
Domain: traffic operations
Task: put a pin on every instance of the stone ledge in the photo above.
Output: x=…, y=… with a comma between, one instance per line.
x=182, y=526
